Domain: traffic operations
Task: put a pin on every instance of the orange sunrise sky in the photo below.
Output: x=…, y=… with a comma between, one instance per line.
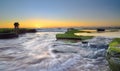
x=59, y=13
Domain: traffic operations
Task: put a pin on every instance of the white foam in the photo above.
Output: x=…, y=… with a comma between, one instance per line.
x=37, y=55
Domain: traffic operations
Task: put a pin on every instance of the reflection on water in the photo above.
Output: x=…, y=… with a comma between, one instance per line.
x=105, y=34
x=41, y=52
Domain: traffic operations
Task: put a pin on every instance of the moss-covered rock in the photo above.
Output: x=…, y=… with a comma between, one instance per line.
x=70, y=34
x=113, y=55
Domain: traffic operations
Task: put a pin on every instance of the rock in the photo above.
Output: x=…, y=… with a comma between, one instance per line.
x=99, y=46
x=31, y=30
x=8, y=35
x=59, y=51
x=84, y=42
x=113, y=55
x=100, y=30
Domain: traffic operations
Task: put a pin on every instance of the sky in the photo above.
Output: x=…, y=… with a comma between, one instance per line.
x=59, y=13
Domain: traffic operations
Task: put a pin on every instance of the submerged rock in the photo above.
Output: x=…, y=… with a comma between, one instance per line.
x=100, y=42
x=99, y=46
x=58, y=51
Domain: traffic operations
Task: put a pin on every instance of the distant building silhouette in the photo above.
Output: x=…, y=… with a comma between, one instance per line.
x=16, y=27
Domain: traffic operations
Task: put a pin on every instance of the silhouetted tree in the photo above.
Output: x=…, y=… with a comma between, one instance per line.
x=16, y=27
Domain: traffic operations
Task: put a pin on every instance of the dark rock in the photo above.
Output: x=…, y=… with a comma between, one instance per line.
x=61, y=38
x=100, y=30
x=8, y=35
x=31, y=30
x=23, y=31
x=102, y=46
x=56, y=51
x=84, y=42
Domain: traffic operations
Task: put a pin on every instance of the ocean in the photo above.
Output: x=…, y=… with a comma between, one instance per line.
x=41, y=51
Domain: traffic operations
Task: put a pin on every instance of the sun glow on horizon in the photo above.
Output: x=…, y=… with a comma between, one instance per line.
x=59, y=13
x=47, y=23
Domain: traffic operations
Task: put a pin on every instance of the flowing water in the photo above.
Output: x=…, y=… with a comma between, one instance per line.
x=42, y=52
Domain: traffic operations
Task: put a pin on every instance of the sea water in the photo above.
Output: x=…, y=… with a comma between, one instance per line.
x=42, y=52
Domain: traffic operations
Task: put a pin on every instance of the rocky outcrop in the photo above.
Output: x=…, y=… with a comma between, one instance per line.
x=23, y=31
x=11, y=33
x=31, y=31
x=113, y=55
x=8, y=35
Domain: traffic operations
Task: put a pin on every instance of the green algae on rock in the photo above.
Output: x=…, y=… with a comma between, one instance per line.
x=70, y=34
x=113, y=55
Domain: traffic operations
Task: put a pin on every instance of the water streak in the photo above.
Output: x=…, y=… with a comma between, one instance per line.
x=42, y=52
